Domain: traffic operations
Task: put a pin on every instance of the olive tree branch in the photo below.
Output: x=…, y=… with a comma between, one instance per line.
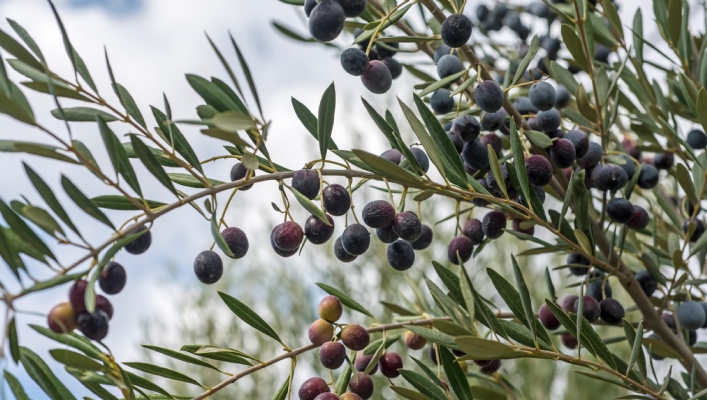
x=292, y=354
x=296, y=352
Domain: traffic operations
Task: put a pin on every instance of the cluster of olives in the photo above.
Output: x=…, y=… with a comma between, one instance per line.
x=67, y=316
x=332, y=355
x=377, y=69
x=598, y=304
x=691, y=315
x=327, y=17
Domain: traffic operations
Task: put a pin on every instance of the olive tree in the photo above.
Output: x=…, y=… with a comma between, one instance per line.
x=591, y=150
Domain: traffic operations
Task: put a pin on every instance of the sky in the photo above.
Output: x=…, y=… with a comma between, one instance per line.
x=152, y=44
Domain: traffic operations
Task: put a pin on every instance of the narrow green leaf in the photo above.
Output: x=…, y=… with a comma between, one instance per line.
x=282, y=392
x=38, y=370
x=180, y=356
x=375, y=357
x=388, y=127
x=42, y=219
x=636, y=347
x=514, y=300
x=496, y=170
x=342, y=384
x=247, y=73
x=483, y=349
x=233, y=121
x=75, y=360
x=250, y=161
x=631, y=336
x=224, y=354
x=90, y=294
x=149, y=160
x=84, y=202
x=12, y=340
x=451, y=281
x=455, y=374
x=523, y=66
x=509, y=294
x=15, y=386
x=450, y=159
x=325, y=119
x=59, y=91
x=702, y=107
x=432, y=375
x=37, y=149
x=550, y=285
x=118, y=156
x=613, y=17
x=685, y=181
x=23, y=230
x=24, y=35
x=76, y=60
x=393, y=18
x=386, y=168
x=10, y=254
x=190, y=181
x=574, y=45
x=71, y=339
x=464, y=86
x=218, y=238
x=434, y=336
x=444, y=302
x=345, y=299
x=305, y=116
x=37, y=75
x=137, y=380
x=423, y=384
x=375, y=345
x=674, y=21
x=424, y=138
x=408, y=393
x=465, y=284
x=4, y=79
x=112, y=202
x=524, y=295
x=13, y=47
x=213, y=95
x=99, y=391
x=176, y=138
x=82, y=114
x=162, y=158
x=248, y=316
x=161, y=371
x=638, y=35
x=130, y=106
x=519, y=161
x=442, y=83
x=397, y=309
x=309, y=205
x=225, y=64
x=14, y=103
x=227, y=136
